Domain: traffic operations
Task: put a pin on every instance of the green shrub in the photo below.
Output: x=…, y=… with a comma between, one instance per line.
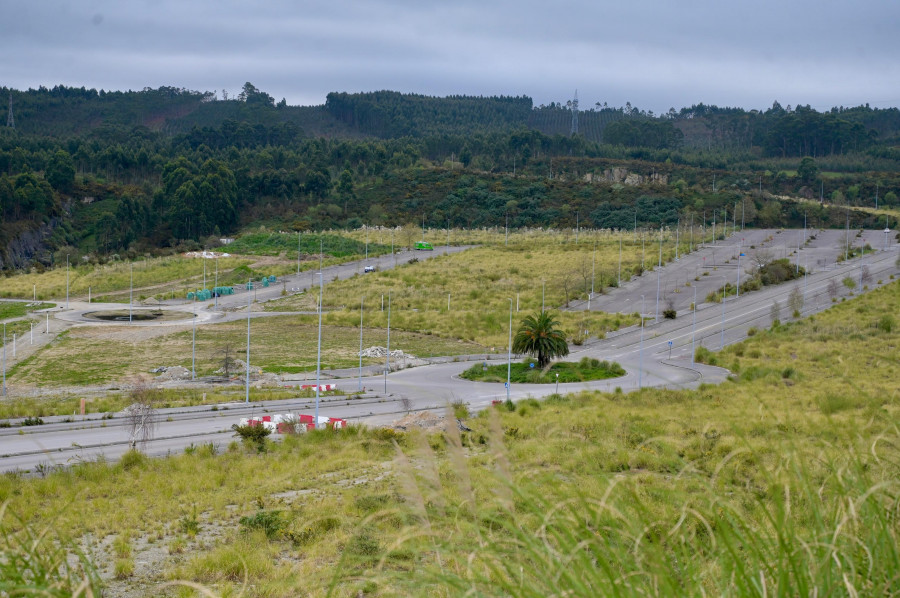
x=269, y=522
x=252, y=435
x=886, y=323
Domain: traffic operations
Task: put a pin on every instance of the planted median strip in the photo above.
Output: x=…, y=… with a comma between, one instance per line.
x=527, y=372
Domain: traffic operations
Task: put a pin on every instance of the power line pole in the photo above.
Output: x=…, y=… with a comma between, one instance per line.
x=574, y=130
x=10, y=121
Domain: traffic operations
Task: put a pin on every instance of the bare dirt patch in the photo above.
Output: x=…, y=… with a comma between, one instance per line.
x=125, y=333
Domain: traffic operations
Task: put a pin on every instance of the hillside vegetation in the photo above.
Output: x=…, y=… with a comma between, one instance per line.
x=99, y=174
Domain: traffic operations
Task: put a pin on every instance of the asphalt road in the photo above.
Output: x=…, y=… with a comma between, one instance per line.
x=657, y=355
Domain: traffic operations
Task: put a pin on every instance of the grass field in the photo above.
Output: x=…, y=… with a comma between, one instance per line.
x=782, y=481
x=478, y=286
x=279, y=344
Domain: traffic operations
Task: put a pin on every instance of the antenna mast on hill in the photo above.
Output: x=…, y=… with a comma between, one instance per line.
x=574, y=105
x=10, y=121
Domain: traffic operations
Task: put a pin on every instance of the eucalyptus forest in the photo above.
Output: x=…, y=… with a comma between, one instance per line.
x=100, y=173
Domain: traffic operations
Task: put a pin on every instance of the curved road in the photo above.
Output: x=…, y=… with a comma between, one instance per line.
x=659, y=355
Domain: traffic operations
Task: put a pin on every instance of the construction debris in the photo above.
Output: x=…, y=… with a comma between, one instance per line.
x=382, y=352
x=175, y=372
x=424, y=420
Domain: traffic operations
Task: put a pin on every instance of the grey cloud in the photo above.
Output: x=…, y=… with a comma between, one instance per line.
x=654, y=53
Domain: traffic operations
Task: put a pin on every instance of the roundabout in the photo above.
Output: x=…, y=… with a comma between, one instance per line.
x=139, y=315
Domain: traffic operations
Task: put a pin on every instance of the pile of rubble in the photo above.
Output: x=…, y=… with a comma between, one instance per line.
x=172, y=372
x=382, y=352
x=424, y=420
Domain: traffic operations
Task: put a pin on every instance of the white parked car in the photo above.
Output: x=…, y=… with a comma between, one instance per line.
x=369, y=269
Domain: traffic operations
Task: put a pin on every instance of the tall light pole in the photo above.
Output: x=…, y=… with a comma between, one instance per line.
x=194, y=345
x=4, y=359
x=67, y=286
x=509, y=352
x=693, y=324
x=319, y=350
x=740, y=253
x=724, y=284
x=542, y=295
x=131, y=295
x=387, y=358
x=643, y=251
x=677, y=229
x=619, y=279
x=658, y=268
x=298, y=254
x=692, y=231
x=361, y=302
x=847, y=250
x=641, y=350
x=247, y=361
x=216, y=287
x=593, y=264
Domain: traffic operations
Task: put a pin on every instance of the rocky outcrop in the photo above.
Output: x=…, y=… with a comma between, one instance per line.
x=29, y=246
x=624, y=177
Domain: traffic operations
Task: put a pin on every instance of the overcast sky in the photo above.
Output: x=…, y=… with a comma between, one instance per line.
x=656, y=54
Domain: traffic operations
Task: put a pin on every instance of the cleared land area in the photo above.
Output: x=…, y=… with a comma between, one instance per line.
x=793, y=460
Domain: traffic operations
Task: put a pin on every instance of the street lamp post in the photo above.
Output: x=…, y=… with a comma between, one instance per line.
x=216, y=286
x=194, y=345
x=677, y=230
x=247, y=361
x=557, y=383
x=387, y=359
x=509, y=353
x=658, y=268
x=693, y=324
x=67, y=283
x=131, y=295
x=724, y=284
x=641, y=350
x=361, y=302
x=619, y=279
x=319, y=349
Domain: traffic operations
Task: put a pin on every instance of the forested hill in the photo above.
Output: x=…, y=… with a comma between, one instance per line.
x=257, y=118
x=127, y=173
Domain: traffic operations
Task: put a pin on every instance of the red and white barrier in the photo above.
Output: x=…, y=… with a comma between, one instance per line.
x=322, y=387
x=285, y=424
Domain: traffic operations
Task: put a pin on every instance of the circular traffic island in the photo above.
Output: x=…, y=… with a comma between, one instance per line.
x=137, y=315
x=528, y=372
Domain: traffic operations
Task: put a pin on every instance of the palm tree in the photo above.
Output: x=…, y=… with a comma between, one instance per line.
x=539, y=337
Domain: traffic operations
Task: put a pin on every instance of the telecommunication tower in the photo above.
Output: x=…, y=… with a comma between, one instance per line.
x=574, y=105
x=10, y=121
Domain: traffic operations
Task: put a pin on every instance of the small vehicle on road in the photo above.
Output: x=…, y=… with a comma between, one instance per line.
x=422, y=246
x=369, y=269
